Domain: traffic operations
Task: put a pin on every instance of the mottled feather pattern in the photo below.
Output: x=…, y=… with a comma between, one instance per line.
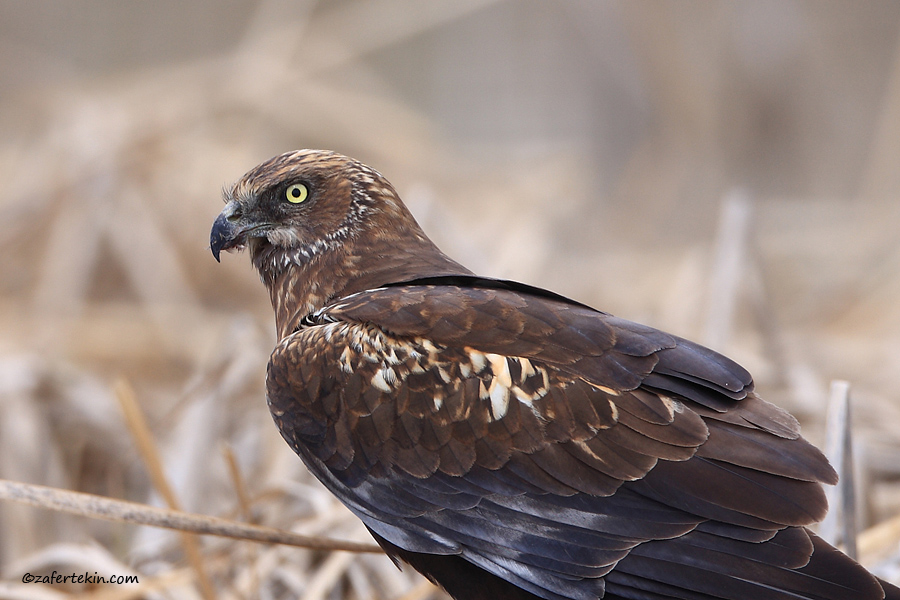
x=565, y=437
x=425, y=407
x=508, y=442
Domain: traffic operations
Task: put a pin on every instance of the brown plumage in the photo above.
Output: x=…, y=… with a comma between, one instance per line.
x=508, y=442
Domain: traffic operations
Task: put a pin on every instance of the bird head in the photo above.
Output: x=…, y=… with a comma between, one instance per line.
x=303, y=204
x=307, y=213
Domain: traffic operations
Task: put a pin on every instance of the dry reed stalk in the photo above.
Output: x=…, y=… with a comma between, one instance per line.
x=840, y=524
x=728, y=270
x=140, y=431
x=879, y=541
x=110, y=509
x=237, y=478
x=325, y=578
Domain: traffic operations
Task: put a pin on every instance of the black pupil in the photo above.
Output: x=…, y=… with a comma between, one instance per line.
x=295, y=192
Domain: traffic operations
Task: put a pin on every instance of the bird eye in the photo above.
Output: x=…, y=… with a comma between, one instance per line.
x=296, y=193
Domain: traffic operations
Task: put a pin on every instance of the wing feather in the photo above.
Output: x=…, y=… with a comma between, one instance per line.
x=562, y=449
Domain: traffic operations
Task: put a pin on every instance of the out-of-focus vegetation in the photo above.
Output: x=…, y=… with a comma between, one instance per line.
x=586, y=146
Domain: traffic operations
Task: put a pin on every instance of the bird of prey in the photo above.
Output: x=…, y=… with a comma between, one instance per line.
x=510, y=443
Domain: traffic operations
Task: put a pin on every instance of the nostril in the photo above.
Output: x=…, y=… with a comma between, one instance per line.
x=233, y=212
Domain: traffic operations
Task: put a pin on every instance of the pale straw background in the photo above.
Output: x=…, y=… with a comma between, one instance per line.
x=727, y=171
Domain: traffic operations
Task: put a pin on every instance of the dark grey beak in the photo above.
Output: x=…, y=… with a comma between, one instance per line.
x=225, y=233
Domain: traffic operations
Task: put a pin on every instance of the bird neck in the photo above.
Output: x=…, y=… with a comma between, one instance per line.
x=299, y=286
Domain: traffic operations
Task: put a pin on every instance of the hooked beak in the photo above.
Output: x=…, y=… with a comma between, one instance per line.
x=225, y=232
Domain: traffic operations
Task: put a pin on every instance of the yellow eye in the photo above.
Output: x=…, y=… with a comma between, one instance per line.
x=296, y=193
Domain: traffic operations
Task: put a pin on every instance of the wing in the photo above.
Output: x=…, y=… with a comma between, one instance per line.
x=561, y=449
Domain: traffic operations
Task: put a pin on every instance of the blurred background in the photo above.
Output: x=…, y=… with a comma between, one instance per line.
x=727, y=171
